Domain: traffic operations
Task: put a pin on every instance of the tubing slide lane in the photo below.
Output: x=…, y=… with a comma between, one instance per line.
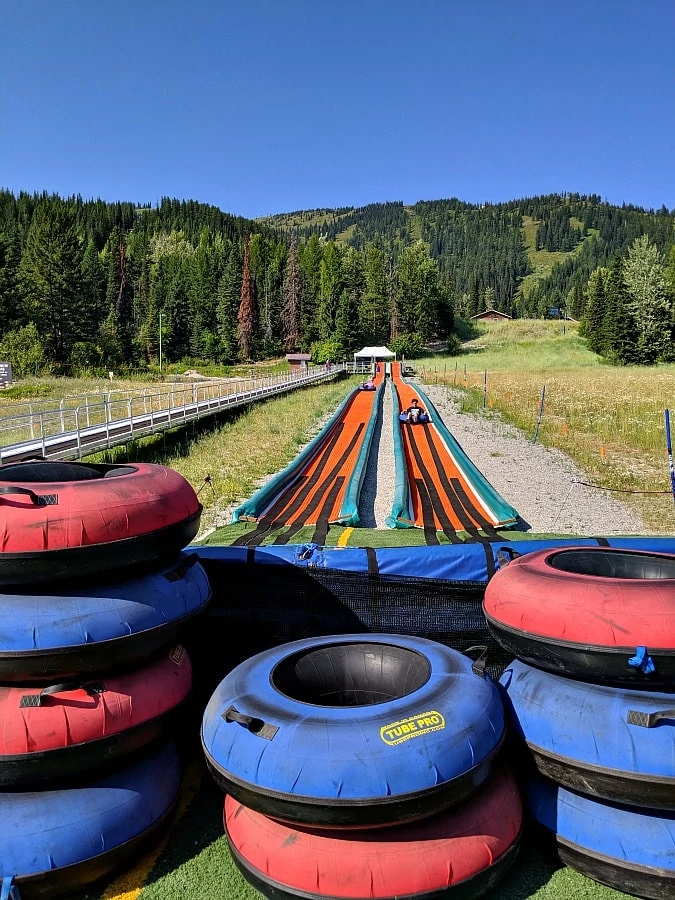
x=349, y=511
x=322, y=484
x=446, y=491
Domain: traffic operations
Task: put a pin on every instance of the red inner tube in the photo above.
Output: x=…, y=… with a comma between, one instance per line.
x=80, y=715
x=55, y=505
x=403, y=861
x=588, y=595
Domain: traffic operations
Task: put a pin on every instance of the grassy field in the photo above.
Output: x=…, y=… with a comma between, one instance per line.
x=542, y=261
x=609, y=420
x=306, y=219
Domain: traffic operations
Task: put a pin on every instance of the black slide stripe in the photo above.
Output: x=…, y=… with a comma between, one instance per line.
x=432, y=493
x=321, y=530
x=460, y=503
x=290, y=501
x=430, y=535
x=321, y=490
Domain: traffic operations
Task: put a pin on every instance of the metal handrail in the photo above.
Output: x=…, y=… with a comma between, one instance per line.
x=61, y=433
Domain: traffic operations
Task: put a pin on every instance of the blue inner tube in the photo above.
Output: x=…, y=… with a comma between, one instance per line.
x=421, y=419
x=630, y=849
x=59, y=840
x=353, y=730
x=100, y=627
x=612, y=742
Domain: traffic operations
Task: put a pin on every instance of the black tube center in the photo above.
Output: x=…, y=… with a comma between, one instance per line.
x=351, y=674
x=614, y=564
x=50, y=471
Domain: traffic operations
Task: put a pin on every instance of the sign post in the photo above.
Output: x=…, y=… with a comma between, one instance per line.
x=5, y=373
x=669, y=448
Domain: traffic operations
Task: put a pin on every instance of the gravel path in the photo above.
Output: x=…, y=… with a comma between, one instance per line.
x=377, y=490
x=537, y=481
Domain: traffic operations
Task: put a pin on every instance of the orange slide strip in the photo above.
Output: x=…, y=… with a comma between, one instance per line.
x=441, y=498
x=319, y=490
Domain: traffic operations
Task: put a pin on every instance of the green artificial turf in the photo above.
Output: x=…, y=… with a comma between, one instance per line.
x=357, y=537
x=196, y=863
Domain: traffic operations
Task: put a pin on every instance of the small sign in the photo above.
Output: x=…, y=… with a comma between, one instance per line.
x=5, y=372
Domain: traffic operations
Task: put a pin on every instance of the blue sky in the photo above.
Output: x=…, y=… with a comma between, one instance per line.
x=263, y=106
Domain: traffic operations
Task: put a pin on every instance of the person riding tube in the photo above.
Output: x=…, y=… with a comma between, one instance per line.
x=415, y=413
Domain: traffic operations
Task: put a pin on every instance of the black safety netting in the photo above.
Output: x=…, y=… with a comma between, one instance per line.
x=256, y=606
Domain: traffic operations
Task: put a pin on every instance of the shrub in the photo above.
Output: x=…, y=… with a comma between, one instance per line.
x=24, y=350
x=322, y=351
x=454, y=345
x=26, y=391
x=409, y=346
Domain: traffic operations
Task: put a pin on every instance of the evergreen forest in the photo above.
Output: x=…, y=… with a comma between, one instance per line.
x=88, y=286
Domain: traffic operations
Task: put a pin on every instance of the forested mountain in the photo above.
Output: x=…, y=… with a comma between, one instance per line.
x=87, y=285
x=483, y=248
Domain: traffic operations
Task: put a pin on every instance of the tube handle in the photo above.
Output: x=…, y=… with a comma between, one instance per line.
x=179, y=572
x=649, y=720
x=34, y=700
x=252, y=723
x=479, y=664
x=505, y=555
x=36, y=499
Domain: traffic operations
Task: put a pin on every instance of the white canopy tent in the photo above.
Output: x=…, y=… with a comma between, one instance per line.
x=374, y=353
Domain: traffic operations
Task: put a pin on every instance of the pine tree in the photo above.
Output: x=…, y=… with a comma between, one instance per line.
x=347, y=320
x=93, y=288
x=310, y=269
x=347, y=337
x=648, y=300
x=203, y=288
x=576, y=301
x=417, y=291
x=177, y=309
x=408, y=286
x=619, y=334
x=10, y=315
x=119, y=291
x=139, y=266
x=227, y=304
x=50, y=278
x=473, y=304
x=489, y=299
x=247, y=317
x=592, y=323
x=110, y=344
x=331, y=284
x=374, y=311
x=292, y=298
x=148, y=338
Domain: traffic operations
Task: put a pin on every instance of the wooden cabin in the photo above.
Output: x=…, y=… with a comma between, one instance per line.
x=490, y=315
x=298, y=360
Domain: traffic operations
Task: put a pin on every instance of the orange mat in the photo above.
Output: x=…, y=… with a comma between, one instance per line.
x=442, y=499
x=317, y=494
